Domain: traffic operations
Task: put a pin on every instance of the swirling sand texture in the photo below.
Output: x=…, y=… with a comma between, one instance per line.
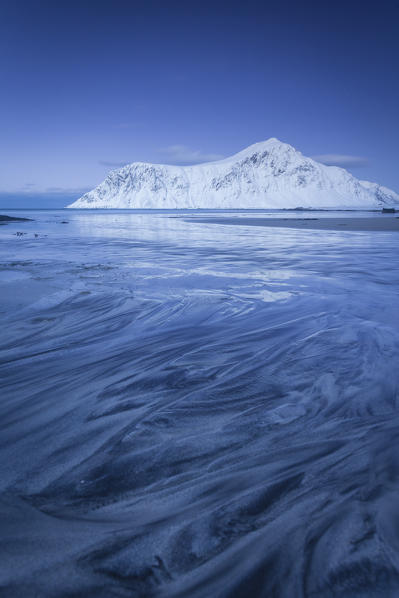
x=197, y=410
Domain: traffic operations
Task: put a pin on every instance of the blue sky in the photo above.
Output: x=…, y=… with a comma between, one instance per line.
x=87, y=86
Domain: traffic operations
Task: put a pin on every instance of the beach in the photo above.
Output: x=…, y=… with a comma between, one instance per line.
x=192, y=410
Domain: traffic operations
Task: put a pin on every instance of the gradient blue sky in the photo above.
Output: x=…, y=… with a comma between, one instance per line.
x=87, y=86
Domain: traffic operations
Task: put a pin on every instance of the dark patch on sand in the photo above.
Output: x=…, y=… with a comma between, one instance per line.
x=5, y=219
x=361, y=224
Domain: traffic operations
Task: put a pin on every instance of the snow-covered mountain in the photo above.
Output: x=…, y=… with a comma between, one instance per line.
x=269, y=174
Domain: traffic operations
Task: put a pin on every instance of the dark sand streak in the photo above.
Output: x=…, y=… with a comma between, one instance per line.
x=373, y=223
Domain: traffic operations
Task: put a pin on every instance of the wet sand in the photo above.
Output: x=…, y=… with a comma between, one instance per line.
x=373, y=223
x=197, y=411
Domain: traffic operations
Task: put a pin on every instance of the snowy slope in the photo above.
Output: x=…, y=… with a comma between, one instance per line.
x=269, y=174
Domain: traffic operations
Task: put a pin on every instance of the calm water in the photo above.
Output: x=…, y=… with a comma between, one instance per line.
x=197, y=410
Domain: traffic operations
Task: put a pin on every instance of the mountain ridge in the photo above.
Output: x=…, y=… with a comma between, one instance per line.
x=267, y=174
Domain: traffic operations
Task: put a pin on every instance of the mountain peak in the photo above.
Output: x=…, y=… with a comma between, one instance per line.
x=267, y=143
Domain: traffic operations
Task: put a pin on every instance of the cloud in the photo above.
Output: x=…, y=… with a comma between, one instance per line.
x=64, y=190
x=113, y=164
x=342, y=160
x=183, y=155
x=173, y=154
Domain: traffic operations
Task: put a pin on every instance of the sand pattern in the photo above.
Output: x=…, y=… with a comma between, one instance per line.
x=195, y=410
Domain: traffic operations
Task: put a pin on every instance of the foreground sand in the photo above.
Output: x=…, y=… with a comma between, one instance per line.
x=373, y=223
x=197, y=411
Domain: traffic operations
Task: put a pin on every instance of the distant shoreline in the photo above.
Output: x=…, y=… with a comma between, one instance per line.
x=298, y=211
x=381, y=223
